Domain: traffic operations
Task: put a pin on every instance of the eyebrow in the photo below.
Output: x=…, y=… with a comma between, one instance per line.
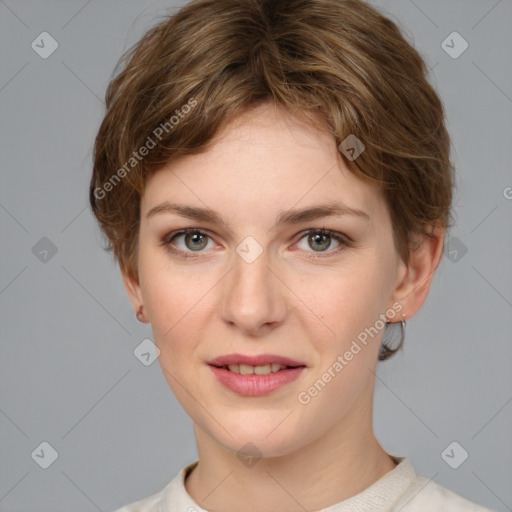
x=293, y=216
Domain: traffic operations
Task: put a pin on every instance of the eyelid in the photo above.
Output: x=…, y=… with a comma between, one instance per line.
x=184, y=231
x=323, y=231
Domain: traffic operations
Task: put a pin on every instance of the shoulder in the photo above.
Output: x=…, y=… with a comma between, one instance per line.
x=172, y=497
x=425, y=494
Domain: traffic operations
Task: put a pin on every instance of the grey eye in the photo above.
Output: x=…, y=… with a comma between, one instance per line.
x=190, y=241
x=319, y=241
x=196, y=241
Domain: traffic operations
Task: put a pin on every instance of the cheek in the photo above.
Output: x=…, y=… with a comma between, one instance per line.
x=345, y=308
x=176, y=305
x=343, y=303
x=172, y=296
x=171, y=291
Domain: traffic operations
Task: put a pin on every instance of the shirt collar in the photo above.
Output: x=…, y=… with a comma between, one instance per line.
x=378, y=497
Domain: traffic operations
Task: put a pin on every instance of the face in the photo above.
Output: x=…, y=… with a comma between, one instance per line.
x=288, y=256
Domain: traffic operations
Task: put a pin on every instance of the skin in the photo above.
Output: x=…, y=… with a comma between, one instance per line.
x=298, y=299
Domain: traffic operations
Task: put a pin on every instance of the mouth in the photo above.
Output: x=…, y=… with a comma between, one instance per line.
x=263, y=369
x=255, y=375
x=261, y=364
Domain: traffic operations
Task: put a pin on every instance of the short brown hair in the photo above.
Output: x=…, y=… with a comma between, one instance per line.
x=340, y=61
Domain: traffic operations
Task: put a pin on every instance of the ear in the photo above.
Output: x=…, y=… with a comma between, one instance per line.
x=415, y=277
x=133, y=289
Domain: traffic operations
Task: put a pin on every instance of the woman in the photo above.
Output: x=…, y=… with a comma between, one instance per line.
x=274, y=180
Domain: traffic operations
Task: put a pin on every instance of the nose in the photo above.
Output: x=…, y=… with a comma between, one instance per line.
x=254, y=298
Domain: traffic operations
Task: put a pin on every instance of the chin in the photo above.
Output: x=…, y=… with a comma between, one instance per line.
x=253, y=435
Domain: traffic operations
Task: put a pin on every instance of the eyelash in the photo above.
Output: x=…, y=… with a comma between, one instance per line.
x=344, y=242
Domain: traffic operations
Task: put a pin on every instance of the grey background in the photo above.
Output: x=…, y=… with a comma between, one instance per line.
x=68, y=373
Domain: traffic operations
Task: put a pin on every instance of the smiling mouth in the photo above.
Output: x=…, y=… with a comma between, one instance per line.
x=252, y=380
x=264, y=369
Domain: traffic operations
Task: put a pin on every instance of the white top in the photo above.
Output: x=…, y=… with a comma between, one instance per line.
x=398, y=490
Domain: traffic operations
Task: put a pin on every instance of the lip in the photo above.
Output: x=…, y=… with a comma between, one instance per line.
x=255, y=385
x=256, y=360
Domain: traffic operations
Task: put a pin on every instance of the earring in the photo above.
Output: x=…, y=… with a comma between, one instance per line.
x=386, y=350
x=140, y=314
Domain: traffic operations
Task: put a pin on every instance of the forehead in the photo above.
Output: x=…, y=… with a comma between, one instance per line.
x=267, y=159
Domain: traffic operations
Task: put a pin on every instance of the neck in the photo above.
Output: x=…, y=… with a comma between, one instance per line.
x=334, y=467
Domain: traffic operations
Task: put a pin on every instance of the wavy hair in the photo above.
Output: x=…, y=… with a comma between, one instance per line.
x=338, y=61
